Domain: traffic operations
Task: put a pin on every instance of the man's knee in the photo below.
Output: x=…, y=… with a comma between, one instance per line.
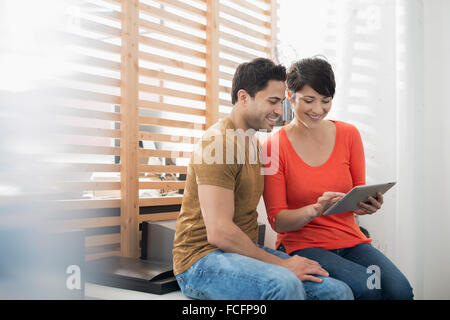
x=343, y=291
x=285, y=286
x=331, y=289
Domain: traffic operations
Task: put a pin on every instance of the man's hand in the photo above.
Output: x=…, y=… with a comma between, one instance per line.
x=305, y=268
x=325, y=201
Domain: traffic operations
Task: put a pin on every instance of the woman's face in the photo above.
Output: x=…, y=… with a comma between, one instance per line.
x=310, y=107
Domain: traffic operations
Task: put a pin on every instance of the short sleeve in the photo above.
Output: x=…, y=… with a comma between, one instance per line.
x=210, y=164
x=220, y=175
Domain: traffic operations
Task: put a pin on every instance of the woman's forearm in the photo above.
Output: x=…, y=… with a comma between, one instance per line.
x=294, y=219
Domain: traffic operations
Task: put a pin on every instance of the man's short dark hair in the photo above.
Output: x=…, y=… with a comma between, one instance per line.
x=254, y=76
x=315, y=72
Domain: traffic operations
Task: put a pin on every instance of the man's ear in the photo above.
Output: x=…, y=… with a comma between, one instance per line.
x=242, y=96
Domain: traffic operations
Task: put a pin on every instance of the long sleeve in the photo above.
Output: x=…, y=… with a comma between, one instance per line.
x=357, y=159
x=274, y=180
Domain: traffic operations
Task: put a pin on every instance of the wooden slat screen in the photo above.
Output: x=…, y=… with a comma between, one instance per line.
x=186, y=63
x=88, y=120
x=149, y=77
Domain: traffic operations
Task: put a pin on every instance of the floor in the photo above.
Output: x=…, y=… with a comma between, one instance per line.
x=98, y=292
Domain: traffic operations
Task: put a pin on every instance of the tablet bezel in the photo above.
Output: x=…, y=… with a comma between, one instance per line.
x=358, y=194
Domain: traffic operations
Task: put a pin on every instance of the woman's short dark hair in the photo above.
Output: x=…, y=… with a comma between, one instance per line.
x=314, y=72
x=254, y=76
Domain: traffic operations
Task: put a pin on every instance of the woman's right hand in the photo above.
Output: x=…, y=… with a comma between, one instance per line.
x=326, y=200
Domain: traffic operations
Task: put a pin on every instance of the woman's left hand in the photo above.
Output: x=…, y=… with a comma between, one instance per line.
x=371, y=208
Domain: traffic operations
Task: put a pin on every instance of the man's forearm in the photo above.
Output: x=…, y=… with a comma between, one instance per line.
x=233, y=239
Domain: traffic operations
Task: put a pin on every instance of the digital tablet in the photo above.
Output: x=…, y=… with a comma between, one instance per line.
x=358, y=194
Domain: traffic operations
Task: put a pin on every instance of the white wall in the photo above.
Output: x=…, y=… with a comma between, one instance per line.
x=436, y=136
x=392, y=65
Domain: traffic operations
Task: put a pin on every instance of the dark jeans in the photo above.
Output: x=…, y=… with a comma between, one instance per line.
x=367, y=271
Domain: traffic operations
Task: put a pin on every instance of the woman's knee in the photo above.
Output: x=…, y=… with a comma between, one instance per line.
x=398, y=290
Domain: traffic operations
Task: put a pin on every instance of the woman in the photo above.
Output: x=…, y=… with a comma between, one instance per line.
x=319, y=161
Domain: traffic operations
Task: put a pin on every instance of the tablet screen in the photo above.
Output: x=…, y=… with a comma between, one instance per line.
x=358, y=194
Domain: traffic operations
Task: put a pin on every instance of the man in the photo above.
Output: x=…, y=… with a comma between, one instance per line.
x=215, y=255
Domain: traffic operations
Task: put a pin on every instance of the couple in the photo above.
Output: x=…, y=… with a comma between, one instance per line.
x=317, y=161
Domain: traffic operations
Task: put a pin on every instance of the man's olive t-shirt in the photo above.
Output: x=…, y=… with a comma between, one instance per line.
x=219, y=159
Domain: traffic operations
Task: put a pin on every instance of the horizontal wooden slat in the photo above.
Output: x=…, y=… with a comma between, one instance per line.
x=99, y=28
x=254, y=8
x=85, y=204
x=236, y=26
x=88, y=223
x=112, y=15
x=225, y=76
x=89, y=185
x=243, y=16
x=91, y=241
x=95, y=256
x=163, y=45
x=171, y=123
x=152, y=105
x=237, y=53
x=82, y=41
x=184, y=6
x=164, y=153
x=89, y=150
x=92, y=78
x=228, y=63
x=160, y=201
x=224, y=102
x=112, y=2
x=105, y=11
x=95, y=62
x=242, y=41
x=166, y=138
x=166, y=31
x=171, y=92
x=166, y=15
x=94, y=132
x=86, y=113
x=171, y=62
x=158, y=216
x=89, y=167
x=163, y=169
x=225, y=89
x=71, y=93
x=162, y=185
x=161, y=75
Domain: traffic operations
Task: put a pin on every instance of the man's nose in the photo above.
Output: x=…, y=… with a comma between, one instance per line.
x=279, y=109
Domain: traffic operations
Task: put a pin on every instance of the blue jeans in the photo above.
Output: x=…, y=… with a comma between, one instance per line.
x=231, y=276
x=354, y=266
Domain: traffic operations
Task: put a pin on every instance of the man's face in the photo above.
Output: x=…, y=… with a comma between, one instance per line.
x=265, y=109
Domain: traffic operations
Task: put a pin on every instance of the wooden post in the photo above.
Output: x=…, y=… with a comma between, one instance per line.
x=274, y=27
x=212, y=62
x=129, y=205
